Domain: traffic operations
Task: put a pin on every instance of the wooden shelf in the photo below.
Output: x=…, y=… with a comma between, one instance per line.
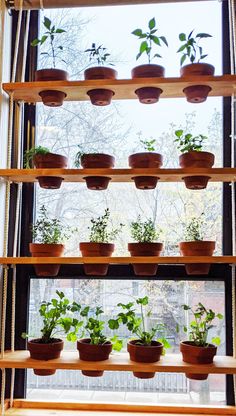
x=123, y=88
x=118, y=175
x=170, y=363
x=119, y=260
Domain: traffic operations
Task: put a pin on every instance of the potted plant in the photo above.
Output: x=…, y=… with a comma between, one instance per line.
x=95, y=161
x=144, y=348
x=99, y=55
x=48, y=235
x=42, y=158
x=147, y=159
x=145, y=234
x=48, y=347
x=194, y=245
x=193, y=157
x=149, y=39
x=100, y=243
x=190, y=49
x=197, y=350
x=51, y=98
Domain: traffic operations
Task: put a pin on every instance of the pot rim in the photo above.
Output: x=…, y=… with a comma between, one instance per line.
x=57, y=342
x=149, y=66
x=44, y=244
x=84, y=342
x=192, y=345
x=133, y=344
x=49, y=154
x=198, y=242
x=91, y=243
x=145, y=154
x=97, y=154
x=196, y=152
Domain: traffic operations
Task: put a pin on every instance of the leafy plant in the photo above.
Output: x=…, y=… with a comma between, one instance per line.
x=29, y=154
x=149, y=145
x=49, y=35
x=99, y=232
x=193, y=231
x=200, y=326
x=98, y=54
x=136, y=323
x=144, y=231
x=191, y=49
x=49, y=230
x=149, y=39
x=188, y=142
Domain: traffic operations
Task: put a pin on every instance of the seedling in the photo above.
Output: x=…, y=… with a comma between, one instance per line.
x=49, y=230
x=99, y=230
x=29, y=155
x=98, y=54
x=189, y=143
x=149, y=145
x=144, y=231
x=191, y=49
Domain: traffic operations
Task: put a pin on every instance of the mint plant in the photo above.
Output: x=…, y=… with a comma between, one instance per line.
x=99, y=230
x=98, y=54
x=149, y=40
x=29, y=155
x=144, y=231
x=193, y=231
x=49, y=230
x=190, y=48
x=186, y=142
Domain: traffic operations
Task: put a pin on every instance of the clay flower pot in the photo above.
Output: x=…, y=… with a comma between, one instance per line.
x=100, y=96
x=50, y=161
x=90, y=352
x=52, y=98
x=197, y=248
x=144, y=354
x=196, y=160
x=194, y=354
x=145, y=160
x=40, y=351
x=197, y=93
x=94, y=161
x=46, y=250
x=96, y=250
x=145, y=249
x=148, y=95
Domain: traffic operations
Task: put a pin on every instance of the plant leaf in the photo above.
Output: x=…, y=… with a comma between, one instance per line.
x=182, y=37
x=47, y=23
x=152, y=23
x=137, y=32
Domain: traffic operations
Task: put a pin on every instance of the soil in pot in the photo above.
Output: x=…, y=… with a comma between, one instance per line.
x=144, y=354
x=50, y=161
x=197, y=93
x=100, y=96
x=145, y=160
x=145, y=249
x=52, y=98
x=193, y=354
x=94, y=161
x=89, y=352
x=96, y=250
x=148, y=95
x=46, y=250
x=40, y=351
x=197, y=248
x=196, y=160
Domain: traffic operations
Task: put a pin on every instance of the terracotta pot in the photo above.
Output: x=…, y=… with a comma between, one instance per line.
x=96, y=250
x=197, y=248
x=46, y=250
x=145, y=160
x=196, y=160
x=94, y=161
x=144, y=354
x=148, y=95
x=41, y=351
x=100, y=96
x=193, y=354
x=145, y=249
x=89, y=352
x=197, y=93
x=50, y=161
x=52, y=98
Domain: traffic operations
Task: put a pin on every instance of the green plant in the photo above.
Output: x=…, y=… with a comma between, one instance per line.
x=49, y=34
x=80, y=153
x=49, y=230
x=149, y=40
x=200, y=326
x=149, y=145
x=188, y=142
x=191, y=49
x=99, y=232
x=193, y=231
x=29, y=154
x=144, y=231
x=98, y=54
x=136, y=324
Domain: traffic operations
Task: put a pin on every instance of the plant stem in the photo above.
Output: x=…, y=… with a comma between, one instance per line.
x=53, y=53
x=142, y=318
x=149, y=53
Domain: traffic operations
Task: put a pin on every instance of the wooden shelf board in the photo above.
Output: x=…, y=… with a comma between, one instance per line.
x=120, y=260
x=119, y=362
x=118, y=175
x=123, y=88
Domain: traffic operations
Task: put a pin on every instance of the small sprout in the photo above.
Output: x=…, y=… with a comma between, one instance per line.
x=189, y=143
x=149, y=145
x=98, y=54
x=190, y=48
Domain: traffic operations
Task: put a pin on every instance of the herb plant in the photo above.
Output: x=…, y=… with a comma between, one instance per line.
x=99, y=230
x=49, y=230
x=149, y=40
x=49, y=35
x=193, y=231
x=149, y=145
x=188, y=142
x=190, y=48
x=200, y=326
x=98, y=54
x=136, y=323
x=144, y=231
x=29, y=154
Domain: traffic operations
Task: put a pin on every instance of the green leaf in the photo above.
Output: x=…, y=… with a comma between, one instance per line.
x=163, y=38
x=203, y=35
x=155, y=39
x=137, y=32
x=179, y=133
x=143, y=47
x=60, y=31
x=47, y=23
x=113, y=323
x=35, y=42
x=181, y=48
x=183, y=58
x=177, y=328
x=216, y=340
x=182, y=37
x=152, y=23
x=219, y=316
x=142, y=301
